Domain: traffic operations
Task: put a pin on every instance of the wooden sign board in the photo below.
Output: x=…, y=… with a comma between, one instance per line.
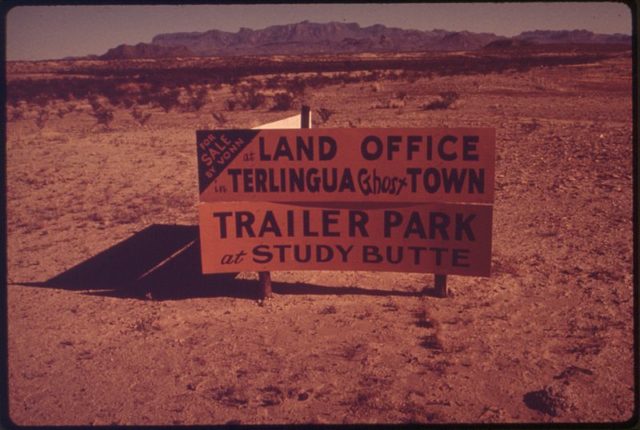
x=347, y=165
x=426, y=238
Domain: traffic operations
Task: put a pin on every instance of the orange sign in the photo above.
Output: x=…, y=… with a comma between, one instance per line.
x=348, y=165
x=426, y=238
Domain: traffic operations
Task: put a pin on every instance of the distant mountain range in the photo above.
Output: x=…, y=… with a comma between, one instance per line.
x=335, y=37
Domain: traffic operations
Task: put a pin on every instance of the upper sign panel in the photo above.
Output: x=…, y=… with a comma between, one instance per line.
x=368, y=165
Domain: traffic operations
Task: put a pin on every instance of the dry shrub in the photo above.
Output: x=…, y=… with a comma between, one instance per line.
x=324, y=114
x=283, y=101
x=167, y=99
x=198, y=99
x=230, y=104
x=41, y=118
x=389, y=104
x=99, y=110
x=530, y=127
x=141, y=118
x=245, y=97
x=219, y=118
x=443, y=101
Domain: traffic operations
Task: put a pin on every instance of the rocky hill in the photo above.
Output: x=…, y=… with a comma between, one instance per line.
x=335, y=37
x=573, y=36
x=146, y=50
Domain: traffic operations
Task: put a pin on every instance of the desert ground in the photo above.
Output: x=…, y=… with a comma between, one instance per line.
x=94, y=190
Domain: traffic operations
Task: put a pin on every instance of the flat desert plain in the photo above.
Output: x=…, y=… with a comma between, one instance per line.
x=100, y=190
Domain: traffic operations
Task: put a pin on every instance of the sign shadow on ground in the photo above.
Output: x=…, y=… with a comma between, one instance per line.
x=163, y=261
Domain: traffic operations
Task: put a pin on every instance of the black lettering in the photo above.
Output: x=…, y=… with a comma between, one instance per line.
x=329, y=218
x=282, y=249
x=364, y=148
x=269, y=225
x=283, y=150
x=451, y=178
x=416, y=253
x=460, y=257
x=415, y=226
x=234, y=177
x=393, y=145
x=476, y=181
x=327, y=257
x=261, y=254
x=347, y=181
x=414, y=172
x=391, y=219
x=358, y=220
x=244, y=221
x=298, y=257
x=438, y=221
x=398, y=257
x=327, y=148
x=306, y=225
x=263, y=155
x=428, y=185
x=344, y=252
x=371, y=254
x=261, y=181
x=412, y=147
x=438, y=252
x=469, y=148
x=447, y=156
x=306, y=148
x=223, y=222
x=463, y=226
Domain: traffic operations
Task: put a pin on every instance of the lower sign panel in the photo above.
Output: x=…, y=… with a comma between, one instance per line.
x=427, y=238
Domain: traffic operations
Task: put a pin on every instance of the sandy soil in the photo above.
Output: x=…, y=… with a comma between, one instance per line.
x=547, y=338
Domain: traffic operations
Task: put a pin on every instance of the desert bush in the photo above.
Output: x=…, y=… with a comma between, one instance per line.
x=128, y=102
x=443, y=101
x=219, y=118
x=102, y=113
x=198, y=99
x=400, y=95
x=15, y=113
x=530, y=127
x=296, y=86
x=283, y=101
x=145, y=95
x=167, y=99
x=274, y=82
x=324, y=114
x=252, y=99
x=41, y=118
x=230, y=104
x=61, y=112
x=389, y=104
x=141, y=118
x=245, y=97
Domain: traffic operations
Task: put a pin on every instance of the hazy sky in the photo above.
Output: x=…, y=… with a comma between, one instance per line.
x=47, y=32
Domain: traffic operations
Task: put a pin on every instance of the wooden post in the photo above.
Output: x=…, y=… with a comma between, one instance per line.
x=305, y=117
x=264, y=278
x=265, y=285
x=441, y=286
